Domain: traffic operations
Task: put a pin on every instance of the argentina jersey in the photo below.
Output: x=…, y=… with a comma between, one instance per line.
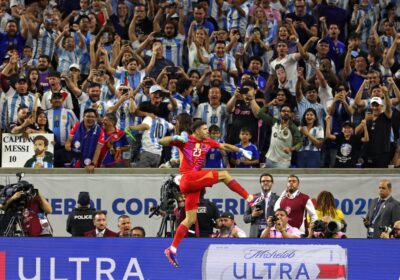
x=184, y=105
x=213, y=116
x=173, y=49
x=44, y=44
x=158, y=128
x=134, y=79
x=61, y=121
x=228, y=81
x=125, y=118
x=11, y=105
x=101, y=107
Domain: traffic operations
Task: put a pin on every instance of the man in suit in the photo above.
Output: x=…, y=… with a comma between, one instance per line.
x=100, y=223
x=256, y=215
x=383, y=211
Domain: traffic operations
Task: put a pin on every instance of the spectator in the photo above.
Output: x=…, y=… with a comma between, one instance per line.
x=257, y=215
x=12, y=36
x=23, y=122
x=304, y=23
x=309, y=155
x=138, y=232
x=280, y=228
x=228, y=227
x=124, y=226
x=240, y=161
x=114, y=152
x=213, y=112
x=216, y=158
x=296, y=204
x=377, y=149
x=54, y=79
x=100, y=224
x=383, y=211
x=285, y=138
x=86, y=140
x=80, y=219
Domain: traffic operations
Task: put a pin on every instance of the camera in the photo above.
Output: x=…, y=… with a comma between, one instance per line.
x=125, y=90
x=275, y=219
x=100, y=72
x=168, y=195
x=25, y=187
x=387, y=229
x=244, y=90
x=319, y=226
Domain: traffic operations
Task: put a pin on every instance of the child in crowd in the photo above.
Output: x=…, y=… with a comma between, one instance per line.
x=216, y=158
x=237, y=159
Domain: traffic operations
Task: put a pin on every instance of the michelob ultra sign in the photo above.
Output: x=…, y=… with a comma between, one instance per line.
x=257, y=261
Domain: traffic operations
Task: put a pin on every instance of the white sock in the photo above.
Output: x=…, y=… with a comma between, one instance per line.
x=173, y=249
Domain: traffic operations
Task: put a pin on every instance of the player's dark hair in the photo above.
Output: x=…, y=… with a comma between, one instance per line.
x=185, y=123
x=41, y=137
x=197, y=124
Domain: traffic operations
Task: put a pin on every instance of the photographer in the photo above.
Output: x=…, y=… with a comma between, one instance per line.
x=24, y=202
x=278, y=227
x=327, y=228
x=390, y=233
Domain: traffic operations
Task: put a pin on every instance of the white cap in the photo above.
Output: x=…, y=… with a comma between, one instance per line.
x=155, y=88
x=377, y=100
x=74, y=65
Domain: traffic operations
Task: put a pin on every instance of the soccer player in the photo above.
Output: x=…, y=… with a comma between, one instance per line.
x=192, y=152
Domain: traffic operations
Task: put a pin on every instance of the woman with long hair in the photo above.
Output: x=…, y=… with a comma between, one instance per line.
x=41, y=124
x=309, y=155
x=326, y=207
x=198, y=41
x=34, y=81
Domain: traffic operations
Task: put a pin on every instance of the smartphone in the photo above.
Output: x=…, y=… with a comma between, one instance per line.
x=126, y=42
x=244, y=90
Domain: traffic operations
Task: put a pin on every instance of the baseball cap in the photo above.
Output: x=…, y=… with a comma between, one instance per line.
x=348, y=123
x=376, y=100
x=83, y=198
x=175, y=16
x=155, y=88
x=22, y=78
x=228, y=215
x=323, y=41
x=74, y=65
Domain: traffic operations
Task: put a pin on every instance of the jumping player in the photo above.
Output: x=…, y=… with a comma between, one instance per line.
x=192, y=151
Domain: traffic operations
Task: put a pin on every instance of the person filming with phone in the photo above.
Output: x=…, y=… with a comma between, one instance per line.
x=278, y=227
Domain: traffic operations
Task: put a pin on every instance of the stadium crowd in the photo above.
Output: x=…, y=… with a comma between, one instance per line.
x=299, y=83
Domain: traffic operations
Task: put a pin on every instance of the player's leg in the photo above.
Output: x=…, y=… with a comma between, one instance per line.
x=191, y=204
x=224, y=176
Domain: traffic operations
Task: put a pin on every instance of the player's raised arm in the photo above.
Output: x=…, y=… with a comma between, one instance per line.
x=167, y=140
x=232, y=148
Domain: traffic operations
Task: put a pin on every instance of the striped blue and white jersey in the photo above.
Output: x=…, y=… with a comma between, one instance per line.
x=158, y=128
x=44, y=44
x=229, y=61
x=173, y=48
x=66, y=58
x=84, y=62
x=318, y=133
x=184, y=105
x=12, y=102
x=86, y=103
x=134, y=79
x=217, y=116
x=235, y=20
x=61, y=121
x=125, y=118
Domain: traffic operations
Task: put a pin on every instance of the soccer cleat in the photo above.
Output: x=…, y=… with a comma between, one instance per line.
x=254, y=200
x=171, y=257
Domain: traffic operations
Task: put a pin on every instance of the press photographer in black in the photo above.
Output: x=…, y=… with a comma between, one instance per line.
x=25, y=211
x=327, y=228
x=391, y=232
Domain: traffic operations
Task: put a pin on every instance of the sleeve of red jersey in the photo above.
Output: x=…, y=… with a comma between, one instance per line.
x=213, y=144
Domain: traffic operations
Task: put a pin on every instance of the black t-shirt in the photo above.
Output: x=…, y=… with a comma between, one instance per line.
x=308, y=20
x=158, y=66
x=162, y=112
x=242, y=116
x=207, y=215
x=379, y=135
x=348, y=151
x=145, y=27
x=80, y=220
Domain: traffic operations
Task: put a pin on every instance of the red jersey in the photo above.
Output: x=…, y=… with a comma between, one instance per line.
x=193, y=153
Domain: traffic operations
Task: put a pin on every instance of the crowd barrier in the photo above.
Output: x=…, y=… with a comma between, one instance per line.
x=200, y=258
x=133, y=192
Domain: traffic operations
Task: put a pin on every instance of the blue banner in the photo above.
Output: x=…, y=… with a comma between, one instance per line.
x=131, y=258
